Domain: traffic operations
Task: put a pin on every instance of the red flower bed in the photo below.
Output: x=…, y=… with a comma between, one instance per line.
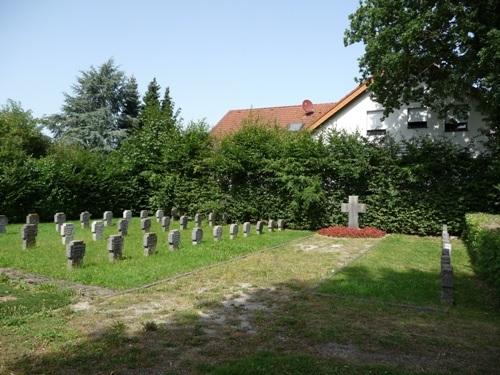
x=367, y=232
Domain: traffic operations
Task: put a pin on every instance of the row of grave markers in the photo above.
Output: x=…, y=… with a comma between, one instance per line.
x=446, y=268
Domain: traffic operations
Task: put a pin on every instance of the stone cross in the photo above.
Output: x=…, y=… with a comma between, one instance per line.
x=123, y=227
x=197, y=220
x=259, y=227
x=59, y=219
x=281, y=225
x=211, y=219
x=159, y=214
x=145, y=224
x=149, y=242
x=233, y=231
x=174, y=239
x=165, y=223
x=3, y=223
x=270, y=225
x=33, y=219
x=246, y=229
x=67, y=233
x=217, y=232
x=144, y=214
x=75, y=251
x=97, y=229
x=107, y=218
x=183, y=221
x=127, y=215
x=28, y=235
x=115, y=247
x=353, y=208
x=173, y=213
x=196, y=235
x=85, y=219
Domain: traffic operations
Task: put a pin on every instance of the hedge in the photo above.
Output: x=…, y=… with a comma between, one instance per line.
x=482, y=237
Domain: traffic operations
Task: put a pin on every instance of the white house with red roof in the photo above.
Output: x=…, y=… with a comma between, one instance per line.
x=358, y=112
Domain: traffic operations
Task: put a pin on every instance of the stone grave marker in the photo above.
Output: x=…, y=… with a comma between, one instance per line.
x=353, y=209
x=85, y=219
x=28, y=235
x=211, y=216
x=144, y=214
x=174, y=239
x=271, y=224
x=196, y=235
x=107, y=218
x=259, y=227
x=123, y=227
x=3, y=223
x=149, y=242
x=33, y=219
x=233, y=231
x=145, y=224
x=59, y=219
x=165, y=223
x=115, y=247
x=225, y=218
x=281, y=225
x=197, y=220
x=97, y=229
x=183, y=221
x=246, y=228
x=217, y=232
x=159, y=214
x=127, y=215
x=173, y=213
x=67, y=233
x=75, y=251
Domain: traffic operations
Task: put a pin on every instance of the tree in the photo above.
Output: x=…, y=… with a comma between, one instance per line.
x=94, y=115
x=440, y=53
x=152, y=96
x=168, y=107
x=131, y=106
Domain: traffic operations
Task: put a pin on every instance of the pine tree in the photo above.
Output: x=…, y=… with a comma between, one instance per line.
x=152, y=96
x=131, y=106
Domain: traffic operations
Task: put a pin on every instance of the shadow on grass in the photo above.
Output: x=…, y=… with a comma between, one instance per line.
x=289, y=329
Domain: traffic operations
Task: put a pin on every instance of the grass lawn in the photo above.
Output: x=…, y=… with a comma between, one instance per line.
x=49, y=256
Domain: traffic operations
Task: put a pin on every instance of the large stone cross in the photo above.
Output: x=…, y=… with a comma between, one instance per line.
x=353, y=208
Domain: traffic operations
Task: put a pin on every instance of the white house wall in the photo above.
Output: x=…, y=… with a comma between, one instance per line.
x=353, y=118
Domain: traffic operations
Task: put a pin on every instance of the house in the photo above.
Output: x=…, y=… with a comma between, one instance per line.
x=358, y=112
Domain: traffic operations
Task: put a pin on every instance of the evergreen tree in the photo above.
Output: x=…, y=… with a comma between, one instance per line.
x=168, y=107
x=131, y=106
x=152, y=96
x=93, y=116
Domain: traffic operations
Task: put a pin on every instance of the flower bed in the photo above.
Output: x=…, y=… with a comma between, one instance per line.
x=338, y=231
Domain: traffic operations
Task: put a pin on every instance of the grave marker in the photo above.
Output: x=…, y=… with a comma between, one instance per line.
x=97, y=229
x=217, y=232
x=145, y=224
x=281, y=225
x=67, y=233
x=28, y=235
x=197, y=220
x=85, y=219
x=127, y=215
x=353, y=209
x=173, y=213
x=246, y=229
x=270, y=225
x=75, y=251
x=259, y=227
x=159, y=214
x=165, y=223
x=115, y=247
x=174, y=239
x=107, y=218
x=233, y=231
x=183, y=221
x=149, y=242
x=211, y=216
x=3, y=223
x=33, y=219
x=196, y=235
x=144, y=214
x=59, y=219
x=123, y=227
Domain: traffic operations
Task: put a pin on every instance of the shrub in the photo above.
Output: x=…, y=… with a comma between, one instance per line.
x=482, y=237
x=338, y=231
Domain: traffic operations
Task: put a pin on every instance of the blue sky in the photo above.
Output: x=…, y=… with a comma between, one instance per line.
x=215, y=55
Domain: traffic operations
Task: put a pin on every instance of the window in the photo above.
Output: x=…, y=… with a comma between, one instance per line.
x=375, y=125
x=295, y=126
x=417, y=118
x=455, y=123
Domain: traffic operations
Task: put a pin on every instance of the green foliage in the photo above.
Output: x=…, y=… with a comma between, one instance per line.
x=101, y=110
x=438, y=53
x=482, y=237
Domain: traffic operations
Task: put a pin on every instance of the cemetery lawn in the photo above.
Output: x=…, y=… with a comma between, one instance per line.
x=49, y=256
x=317, y=305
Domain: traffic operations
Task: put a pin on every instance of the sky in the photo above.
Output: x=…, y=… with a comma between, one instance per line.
x=214, y=55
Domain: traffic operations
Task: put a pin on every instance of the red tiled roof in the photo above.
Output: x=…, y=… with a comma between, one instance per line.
x=283, y=116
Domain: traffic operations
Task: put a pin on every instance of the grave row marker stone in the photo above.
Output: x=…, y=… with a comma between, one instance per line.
x=107, y=218
x=85, y=219
x=197, y=220
x=145, y=224
x=211, y=219
x=3, y=223
x=144, y=214
x=259, y=227
x=174, y=239
x=59, y=219
x=246, y=229
x=233, y=231
x=115, y=247
x=149, y=242
x=123, y=227
x=75, y=251
x=196, y=235
x=183, y=221
x=28, y=235
x=67, y=233
x=127, y=215
x=97, y=229
x=165, y=223
x=159, y=215
x=217, y=232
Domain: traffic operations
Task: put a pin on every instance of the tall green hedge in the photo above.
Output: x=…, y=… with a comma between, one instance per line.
x=482, y=237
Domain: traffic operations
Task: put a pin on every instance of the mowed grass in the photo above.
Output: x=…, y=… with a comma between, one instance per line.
x=406, y=269
x=49, y=255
